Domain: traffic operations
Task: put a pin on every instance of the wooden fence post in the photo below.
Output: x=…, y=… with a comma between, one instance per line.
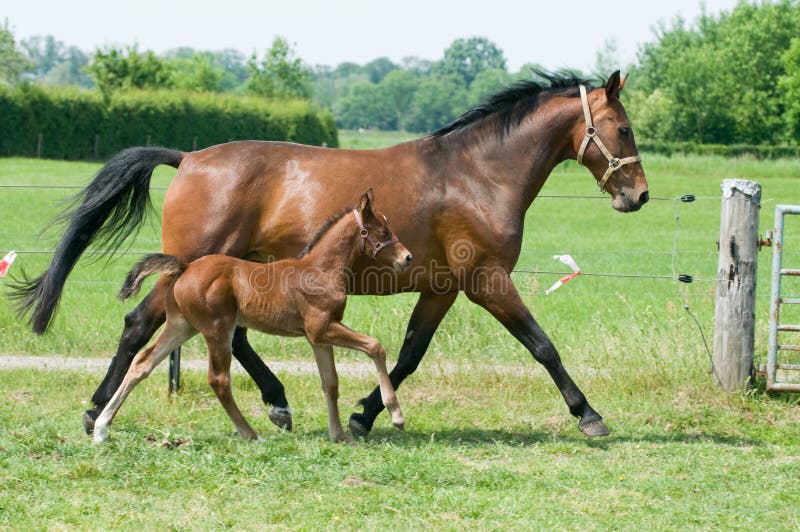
x=734, y=324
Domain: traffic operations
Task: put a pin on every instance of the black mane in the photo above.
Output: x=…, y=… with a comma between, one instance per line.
x=516, y=101
x=322, y=230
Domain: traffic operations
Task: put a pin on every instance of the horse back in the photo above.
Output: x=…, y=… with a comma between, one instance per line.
x=264, y=200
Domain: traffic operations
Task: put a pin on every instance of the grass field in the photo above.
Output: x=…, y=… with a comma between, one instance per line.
x=487, y=449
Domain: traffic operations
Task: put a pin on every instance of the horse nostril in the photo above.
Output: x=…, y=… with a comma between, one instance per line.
x=644, y=198
x=409, y=258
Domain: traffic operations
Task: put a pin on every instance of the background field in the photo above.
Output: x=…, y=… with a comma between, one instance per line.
x=490, y=447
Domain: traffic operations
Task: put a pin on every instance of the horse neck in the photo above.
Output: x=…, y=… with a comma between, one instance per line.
x=337, y=249
x=523, y=158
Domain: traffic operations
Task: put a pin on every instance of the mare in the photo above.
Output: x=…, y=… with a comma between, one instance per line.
x=305, y=296
x=457, y=198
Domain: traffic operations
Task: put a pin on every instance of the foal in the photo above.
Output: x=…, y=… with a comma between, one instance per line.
x=293, y=297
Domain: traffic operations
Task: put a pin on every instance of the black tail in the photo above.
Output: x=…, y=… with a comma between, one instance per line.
x=109, y=210
x=155, y=263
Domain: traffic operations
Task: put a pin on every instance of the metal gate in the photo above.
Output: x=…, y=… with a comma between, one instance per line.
x=781, y=377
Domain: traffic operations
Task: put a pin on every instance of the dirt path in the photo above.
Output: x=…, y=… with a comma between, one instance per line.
x=292, y=367
x=100, y=365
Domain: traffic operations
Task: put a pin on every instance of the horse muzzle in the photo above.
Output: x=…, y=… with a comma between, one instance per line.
x=403, y=260
x=630, y=201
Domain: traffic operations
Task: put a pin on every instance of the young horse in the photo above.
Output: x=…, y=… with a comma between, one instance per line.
x=464, y=189
x=301, y=297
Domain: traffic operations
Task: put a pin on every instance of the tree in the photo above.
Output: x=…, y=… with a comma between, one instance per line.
x=465, y=58
x=487, y=83
x=529, y=71
x=12, y=62
x=71, y=70
x=377, y=69
x=789, y=88
x=44, y=52
x=196, y=73
x=653, y=114
x=399, y=87
x=436, y=102
x=280, y=74
x=366, y=106
x=54, y=63
x=234, y=63
x=115, y=69
x=346, y=69
x=212, y=71
x=606, y=60
x=721, y=75
x=420, y=67
x=333, y=85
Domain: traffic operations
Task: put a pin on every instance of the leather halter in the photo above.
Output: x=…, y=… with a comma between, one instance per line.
x=614, y=163
x=376, y=245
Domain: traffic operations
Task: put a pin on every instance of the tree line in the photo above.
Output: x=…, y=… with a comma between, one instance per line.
x=726, y=78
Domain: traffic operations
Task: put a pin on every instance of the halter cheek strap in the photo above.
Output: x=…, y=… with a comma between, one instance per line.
x=376, y=245
x=614, y=163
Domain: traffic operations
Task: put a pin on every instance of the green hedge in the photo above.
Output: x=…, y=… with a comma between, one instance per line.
x=79, y=124
x=756, y=151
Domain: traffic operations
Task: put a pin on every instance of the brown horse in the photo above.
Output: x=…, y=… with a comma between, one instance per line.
x=291, y=297
x=464, y=188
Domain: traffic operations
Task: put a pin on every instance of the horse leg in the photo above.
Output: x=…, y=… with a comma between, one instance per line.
x=174, y=334
x=140, y=325
x=272, y=391
x=219, y=378
x=339, y=335
x=330, y=387
x=425, y=319
x=498, y=295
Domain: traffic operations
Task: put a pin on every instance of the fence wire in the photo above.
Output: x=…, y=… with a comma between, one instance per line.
x=686, y=198
x=679, y=279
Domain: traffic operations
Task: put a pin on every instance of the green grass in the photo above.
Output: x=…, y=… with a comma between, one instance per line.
x=486, y=450
x=481, y=451
x=366, y=139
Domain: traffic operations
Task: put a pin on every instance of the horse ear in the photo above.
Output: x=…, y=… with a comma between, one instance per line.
x=365, y=204
x=613, y=86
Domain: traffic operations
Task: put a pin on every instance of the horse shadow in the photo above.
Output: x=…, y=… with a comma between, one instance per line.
x=477, y=437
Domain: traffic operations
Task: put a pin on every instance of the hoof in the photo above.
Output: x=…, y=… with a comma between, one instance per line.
x=400, y=426
x=342, y=438
x=281, y=417
x=88, y=421
x=594, y=428
x=100, y=435
x=356, y=428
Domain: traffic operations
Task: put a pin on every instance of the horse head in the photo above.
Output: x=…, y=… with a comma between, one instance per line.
x=605, y=145
x=378, y=240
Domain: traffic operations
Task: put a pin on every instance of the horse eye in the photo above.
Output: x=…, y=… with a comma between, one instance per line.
x=624, y=131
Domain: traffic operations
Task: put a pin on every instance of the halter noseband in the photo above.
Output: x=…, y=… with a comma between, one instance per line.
x=614, y=163
x=376, y=246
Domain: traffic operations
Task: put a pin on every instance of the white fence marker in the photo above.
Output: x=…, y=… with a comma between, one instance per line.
x=569, y=261
x=6, y=263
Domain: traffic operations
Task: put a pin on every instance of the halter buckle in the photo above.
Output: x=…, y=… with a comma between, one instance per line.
x=615, y=164
x=590, y=131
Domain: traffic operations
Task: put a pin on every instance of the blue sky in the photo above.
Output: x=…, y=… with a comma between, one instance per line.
x=554, y=34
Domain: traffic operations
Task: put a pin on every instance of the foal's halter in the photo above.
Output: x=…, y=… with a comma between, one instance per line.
x=614, y=163
x=376, y=245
